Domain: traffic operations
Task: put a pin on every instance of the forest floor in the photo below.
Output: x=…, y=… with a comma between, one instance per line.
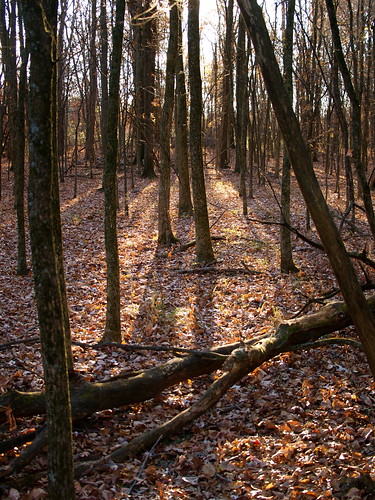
x=300, y=427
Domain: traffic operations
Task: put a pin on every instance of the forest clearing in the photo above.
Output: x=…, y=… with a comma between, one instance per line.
x=299, y=426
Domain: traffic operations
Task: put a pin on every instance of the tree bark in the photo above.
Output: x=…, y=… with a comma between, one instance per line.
x=19, y=167
x=303, y=168
x=226, y=96
x=286, y=256
x=165, y=233
x=43, y=247
x=203, y=248
x=242, y=118
x=113, y=322
x=185, y=205
x=103, y=73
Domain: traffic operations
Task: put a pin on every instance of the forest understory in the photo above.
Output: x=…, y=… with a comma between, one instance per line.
x=300, y=426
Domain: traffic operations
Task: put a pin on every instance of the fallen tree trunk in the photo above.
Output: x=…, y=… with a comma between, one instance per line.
x=87, y=398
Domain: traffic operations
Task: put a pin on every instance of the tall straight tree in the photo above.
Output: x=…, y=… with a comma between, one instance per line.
x=143, y=15
x=165, y=233
x=242, y=116
x=113, y=323
x=19, y=167
x=203, y=247
x=303, y=168
x=103, y=72
x=40, y=19
x=227, y=91
x=185, y=205
x=286, y=256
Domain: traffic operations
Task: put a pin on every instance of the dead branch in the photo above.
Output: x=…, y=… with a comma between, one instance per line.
x=186, y=246
x=361, y=256
x=87, y=398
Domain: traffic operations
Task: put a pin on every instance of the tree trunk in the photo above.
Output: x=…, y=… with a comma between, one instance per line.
x=303, y=168
x=226, y=97
x=242, y=118
x=19, y=168
x=44, y=259
x=286, y=257
x=92, y=94
x=103, y=73
x=113, y=323
x=165, y=233
x=203, y=248
x=185, y=205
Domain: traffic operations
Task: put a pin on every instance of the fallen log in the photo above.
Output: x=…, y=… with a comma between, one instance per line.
x=87, y=398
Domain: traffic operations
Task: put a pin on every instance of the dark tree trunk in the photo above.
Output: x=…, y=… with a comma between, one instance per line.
x=92, y=94
x=286, y=256
x=242, y=119
x=226, y=97
x=103, y=73
x=185, y=205
x=303, y=168
x=113, y=323
x=19, y=169
x=165, y=233
x=203, y=248
x=9, y=60
x=42, y=108
x=144, y=29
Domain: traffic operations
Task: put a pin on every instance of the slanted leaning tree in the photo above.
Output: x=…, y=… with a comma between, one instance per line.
x=303, y=168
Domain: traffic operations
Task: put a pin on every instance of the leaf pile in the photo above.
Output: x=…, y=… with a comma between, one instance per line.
x=299, y=427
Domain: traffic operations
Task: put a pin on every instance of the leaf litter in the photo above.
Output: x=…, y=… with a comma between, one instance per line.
x=301, y=426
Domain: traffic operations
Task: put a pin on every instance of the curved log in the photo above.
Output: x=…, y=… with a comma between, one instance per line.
x=87, y=398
